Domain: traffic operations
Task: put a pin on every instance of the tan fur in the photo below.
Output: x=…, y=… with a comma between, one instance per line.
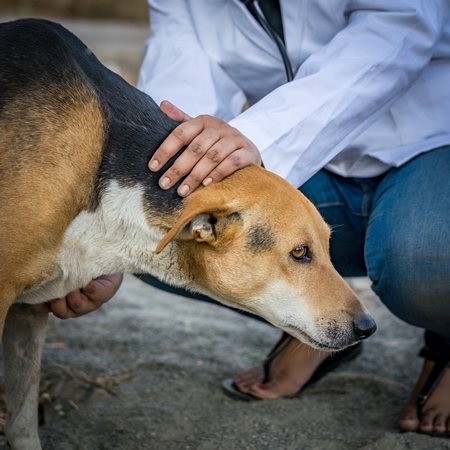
x=227, y=269
x=49, y=155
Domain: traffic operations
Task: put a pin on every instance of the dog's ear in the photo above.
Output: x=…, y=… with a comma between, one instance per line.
x=200, y=229
x=197, y=219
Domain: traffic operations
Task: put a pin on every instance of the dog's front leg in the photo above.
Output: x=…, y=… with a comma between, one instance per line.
x=23, y=339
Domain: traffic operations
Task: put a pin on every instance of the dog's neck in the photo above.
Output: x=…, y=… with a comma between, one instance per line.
x=108, y=240
x=121, y=224
x=129, y=147
x=128, y=215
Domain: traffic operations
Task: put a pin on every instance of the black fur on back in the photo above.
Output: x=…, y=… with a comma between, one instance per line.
x=34, y=51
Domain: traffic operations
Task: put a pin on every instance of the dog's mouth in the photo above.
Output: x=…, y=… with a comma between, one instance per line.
x=293, y=330
x=307, y=339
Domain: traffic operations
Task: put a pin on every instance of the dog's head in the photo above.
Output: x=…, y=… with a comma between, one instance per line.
x=256, y=243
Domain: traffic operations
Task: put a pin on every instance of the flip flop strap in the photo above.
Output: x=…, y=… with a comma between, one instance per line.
x=441, y=362
x=279, y=346
x=282, y=342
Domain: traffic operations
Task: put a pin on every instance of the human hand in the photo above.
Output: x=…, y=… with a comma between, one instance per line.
x=85, y=300
x=214, y=151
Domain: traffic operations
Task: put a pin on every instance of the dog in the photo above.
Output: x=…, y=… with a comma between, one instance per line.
x=78, y=201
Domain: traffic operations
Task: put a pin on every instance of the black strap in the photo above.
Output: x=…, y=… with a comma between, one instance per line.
x=271, y=31
x=441, y=362
x=272, y=13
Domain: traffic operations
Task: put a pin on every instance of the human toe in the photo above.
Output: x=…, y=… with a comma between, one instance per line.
x=440, y=423
x=248, y=378
x=270, y=390
x=409, y=420
x=435, y=421
x=426, y=424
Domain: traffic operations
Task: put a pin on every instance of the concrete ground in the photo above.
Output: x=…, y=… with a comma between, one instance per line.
x=144, y=372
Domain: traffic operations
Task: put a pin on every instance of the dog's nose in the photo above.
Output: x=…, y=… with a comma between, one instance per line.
x=364, y=326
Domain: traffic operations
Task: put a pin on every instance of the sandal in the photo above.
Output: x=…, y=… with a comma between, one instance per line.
x=441, y=362
x=331, y=363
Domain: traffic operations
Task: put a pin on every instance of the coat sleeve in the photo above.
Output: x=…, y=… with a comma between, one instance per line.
x=343, y=88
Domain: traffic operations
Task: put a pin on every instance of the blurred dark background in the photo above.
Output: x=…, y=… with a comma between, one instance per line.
x=129, y=10
x=115, y=30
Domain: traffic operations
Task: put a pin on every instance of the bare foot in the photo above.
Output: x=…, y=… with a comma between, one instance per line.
x=289, y=371
x=436, y=412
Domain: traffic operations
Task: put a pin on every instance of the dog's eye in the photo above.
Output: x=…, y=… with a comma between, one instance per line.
x=299, y=253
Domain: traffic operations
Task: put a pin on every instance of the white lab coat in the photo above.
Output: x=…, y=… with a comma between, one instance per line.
x=372, y=84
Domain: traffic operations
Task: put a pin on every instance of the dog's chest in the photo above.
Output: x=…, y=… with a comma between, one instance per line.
x=116, y=237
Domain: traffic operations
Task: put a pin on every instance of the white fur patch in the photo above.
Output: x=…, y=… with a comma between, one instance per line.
x=115, y=238
x=290, y=309
x=284, y=305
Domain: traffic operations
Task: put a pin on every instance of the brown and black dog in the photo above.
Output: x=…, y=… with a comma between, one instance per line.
x=78, y=201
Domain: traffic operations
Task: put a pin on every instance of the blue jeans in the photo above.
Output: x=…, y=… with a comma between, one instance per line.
x=394, y=228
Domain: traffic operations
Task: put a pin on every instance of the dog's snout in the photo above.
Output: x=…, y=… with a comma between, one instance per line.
x=364, y=326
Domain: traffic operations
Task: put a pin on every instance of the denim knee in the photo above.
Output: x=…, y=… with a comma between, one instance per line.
x=416, y=292
x=408, y=243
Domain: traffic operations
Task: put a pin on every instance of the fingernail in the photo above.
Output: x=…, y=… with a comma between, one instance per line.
x=207, y=181
x=183, y=190
x=154, y=165
x=262, y=386
x=164, y=182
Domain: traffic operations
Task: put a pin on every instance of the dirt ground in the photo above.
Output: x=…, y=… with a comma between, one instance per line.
x=144, y=372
